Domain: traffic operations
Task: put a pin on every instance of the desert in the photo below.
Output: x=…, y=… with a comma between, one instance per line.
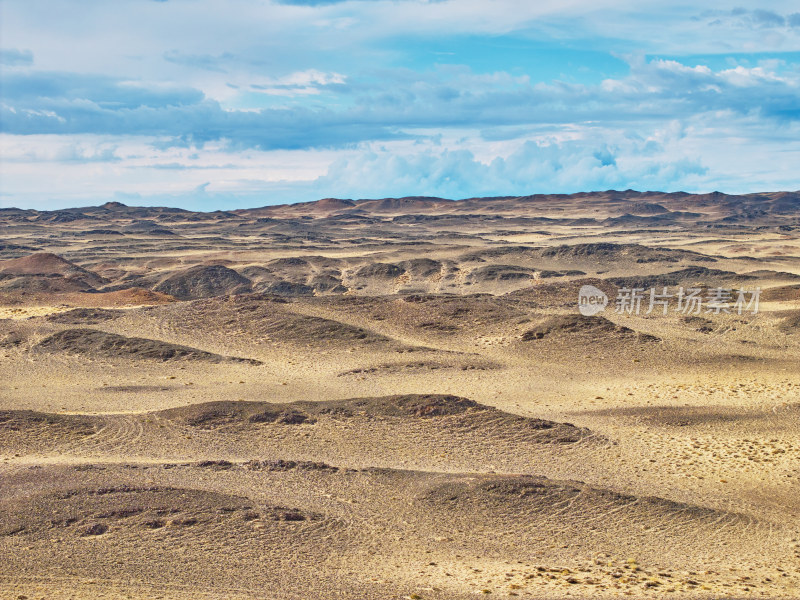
x=400, y=398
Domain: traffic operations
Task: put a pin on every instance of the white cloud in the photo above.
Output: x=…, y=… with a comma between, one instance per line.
x=267, y=98
x=699, y=154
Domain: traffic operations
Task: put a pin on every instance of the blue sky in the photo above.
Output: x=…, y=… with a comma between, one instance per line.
x=219, y=104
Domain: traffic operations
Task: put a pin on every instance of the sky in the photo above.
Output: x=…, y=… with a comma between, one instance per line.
x=221, y=104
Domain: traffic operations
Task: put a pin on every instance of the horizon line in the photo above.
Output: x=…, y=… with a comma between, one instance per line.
x=117, y=204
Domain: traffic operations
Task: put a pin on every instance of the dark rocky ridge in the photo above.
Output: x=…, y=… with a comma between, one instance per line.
x=101, y=344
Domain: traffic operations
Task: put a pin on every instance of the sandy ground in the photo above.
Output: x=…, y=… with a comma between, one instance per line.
x=439, y=429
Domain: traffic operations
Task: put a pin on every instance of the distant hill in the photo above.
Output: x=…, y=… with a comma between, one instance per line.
x=656, y=206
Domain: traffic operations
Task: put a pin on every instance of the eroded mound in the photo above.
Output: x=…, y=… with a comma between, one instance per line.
x=379, y=271
x=570, y=504
x=204, y=282
x=26, y=430
x=106, y=510
x=595, y=327
x=633, y=252
x=45, y=263
x=413, y=405
x=646, y=208
x=305, y=328
x=20, y=420
x=694, y=276
x=85, y=316
x=44, y=284
x=297, y=276
x=530, y=490
x=270, y=318
x=433, y=314
x=496, y=273
x=289, y=465
x=101, y=344
x=421, y=267
x=225, y=414
x=215, y=415
x=463, y=416
x=130, y=296
x=45, y=272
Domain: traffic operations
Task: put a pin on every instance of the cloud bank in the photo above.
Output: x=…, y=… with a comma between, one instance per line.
x=240, y=104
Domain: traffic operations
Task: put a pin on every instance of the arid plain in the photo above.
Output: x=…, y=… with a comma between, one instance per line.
x=399, y=398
